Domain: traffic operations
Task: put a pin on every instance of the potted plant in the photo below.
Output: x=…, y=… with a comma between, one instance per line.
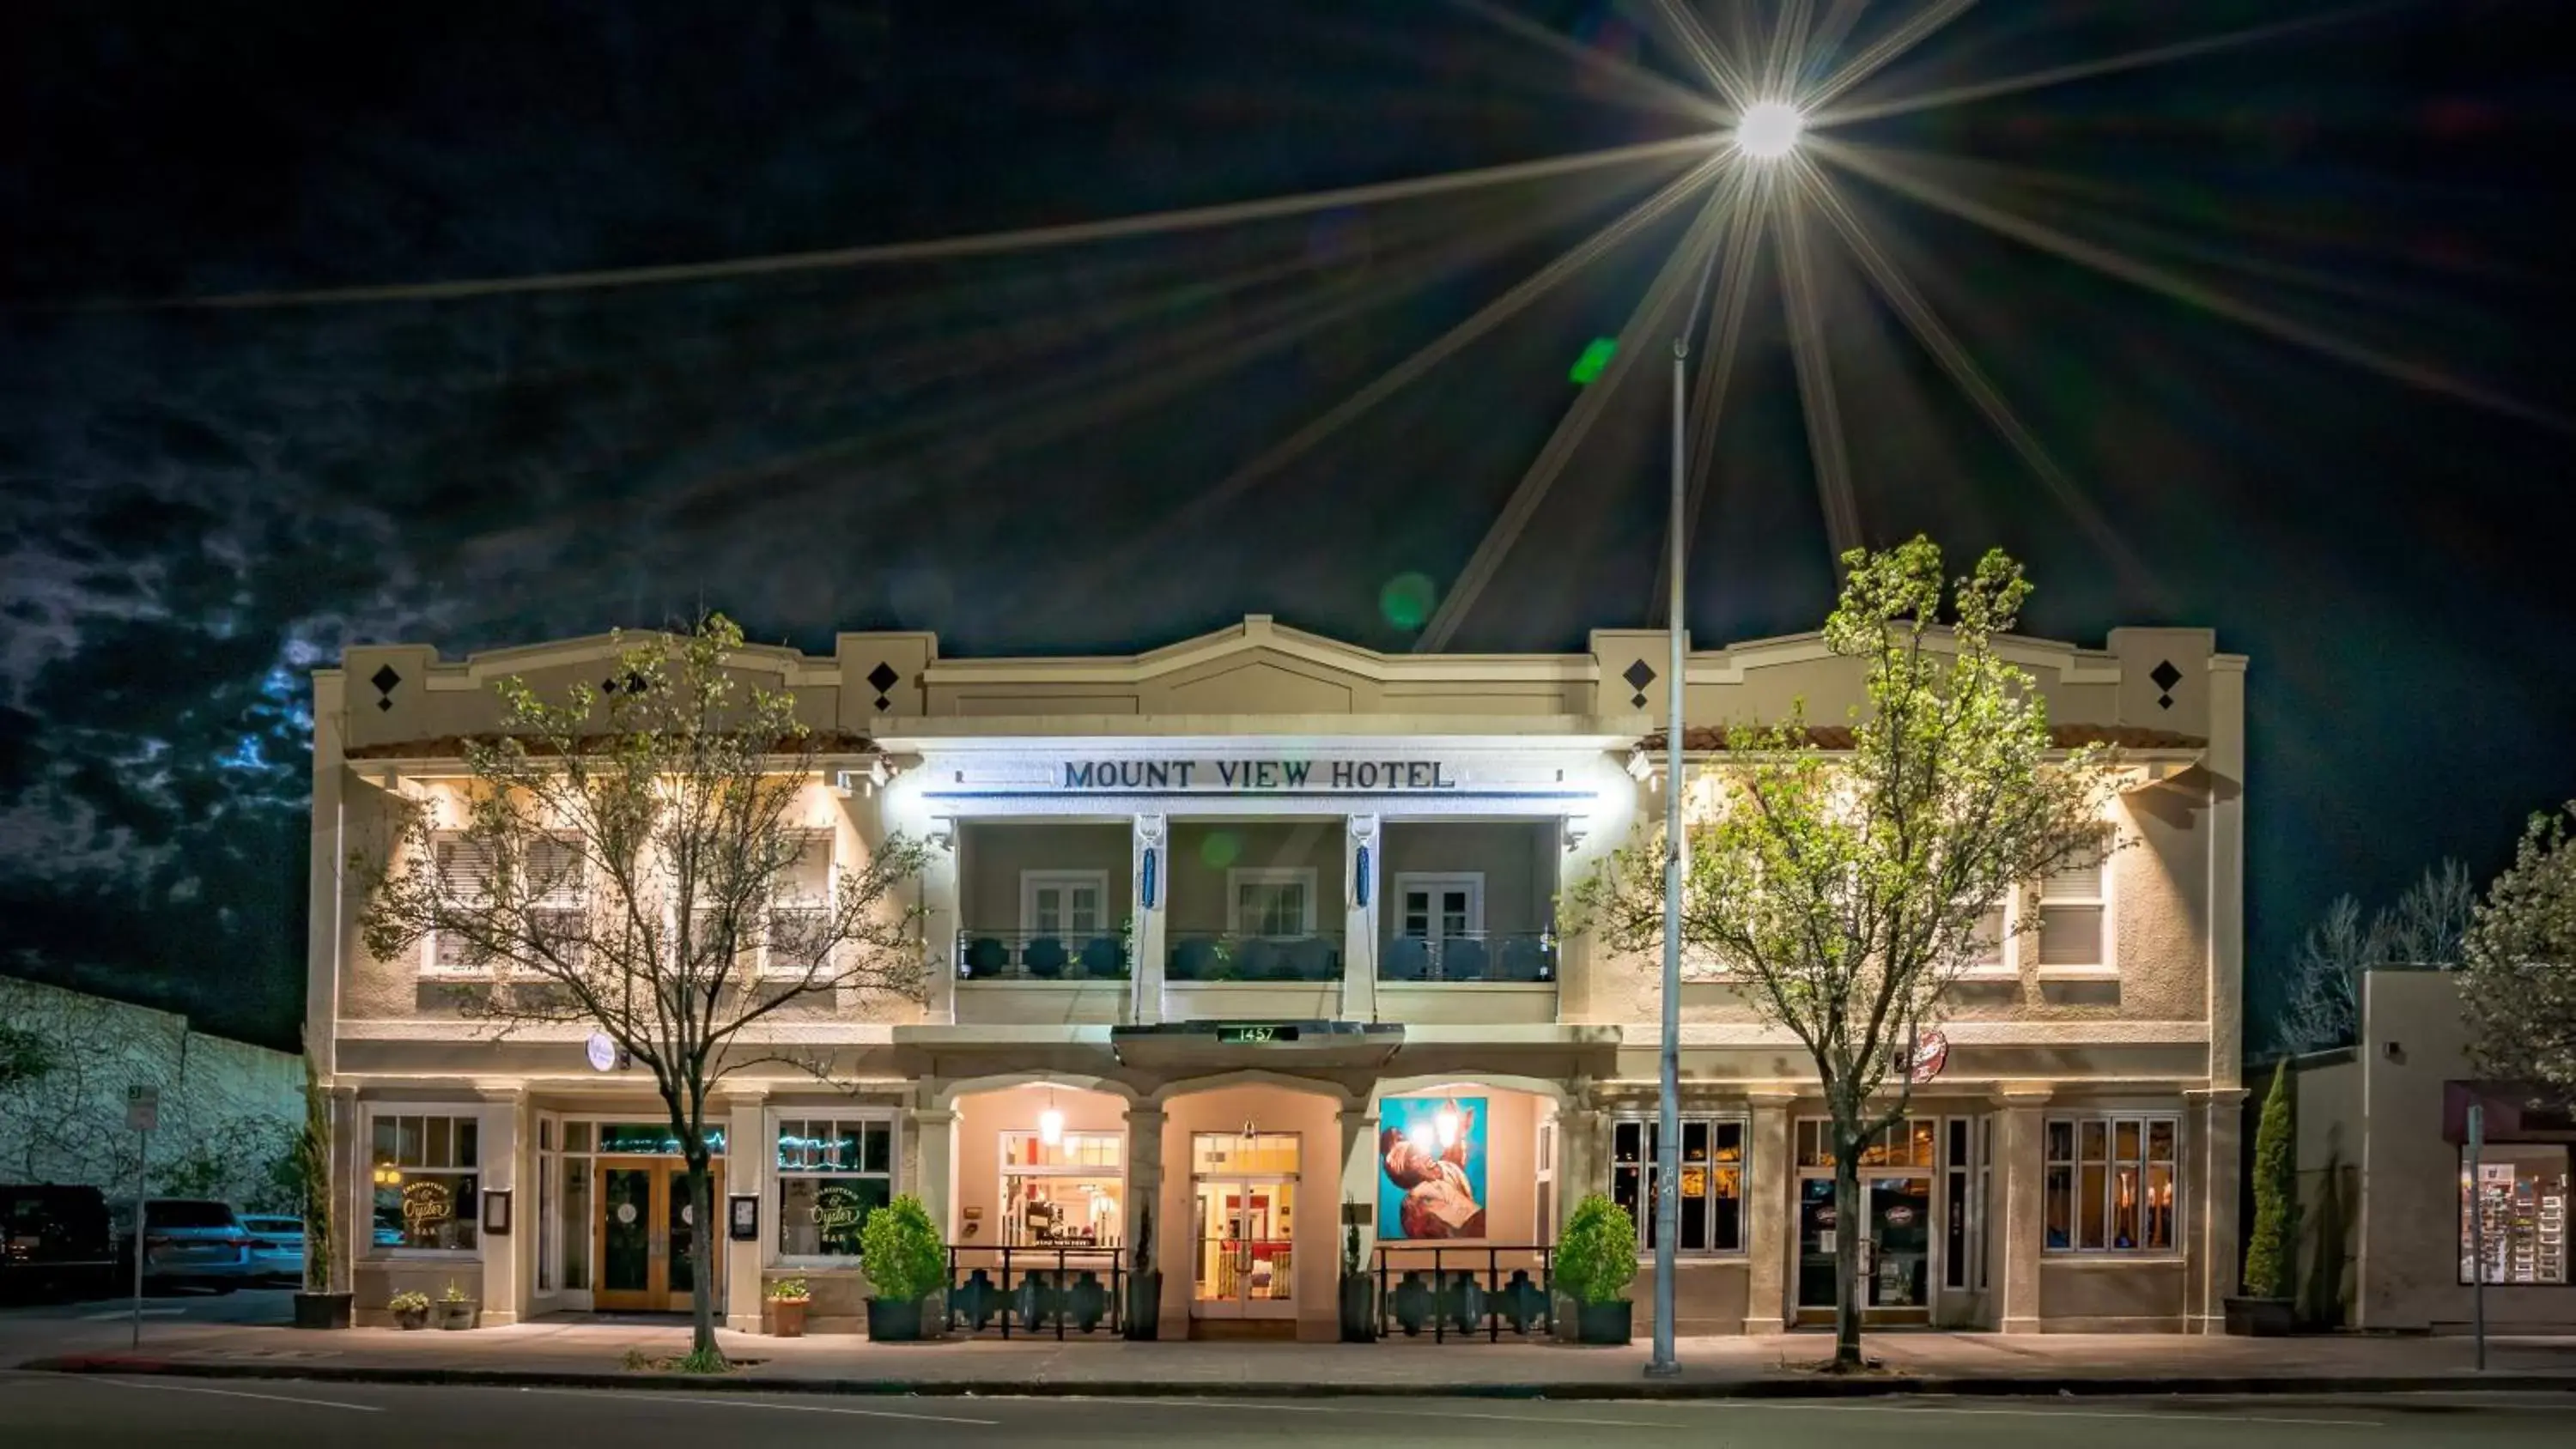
x=1145, y=1284
x=410, y=1310
x=2266, y=1310
x=905, y=1264
x=316, y=1306
x=787, y=1303
x=455, y=1310
x=1595, y=1262
x=1359, y=1325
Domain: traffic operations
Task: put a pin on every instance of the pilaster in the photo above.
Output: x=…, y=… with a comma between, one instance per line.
x=1145, y=1190
x=2022, y=1118
x=1361, y=868
x=1770, y=1177
x=1151, y=871
x=2213, y=1165
x=1359, y=1179
x=749, y=1155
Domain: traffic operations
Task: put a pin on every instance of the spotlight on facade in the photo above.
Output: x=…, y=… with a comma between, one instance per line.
x=1769, y=130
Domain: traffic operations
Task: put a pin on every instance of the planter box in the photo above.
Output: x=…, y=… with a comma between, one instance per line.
x=894, y=1321
x=1604, y=1322
x=410, y=1319
x=457, y=1316
x=322, y=1310
x=1144, y=1306
x=787, y=1317
x=2261, y=1317
x=1359, y=1322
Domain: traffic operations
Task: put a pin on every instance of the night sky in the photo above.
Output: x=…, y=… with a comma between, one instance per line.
x=201, y=503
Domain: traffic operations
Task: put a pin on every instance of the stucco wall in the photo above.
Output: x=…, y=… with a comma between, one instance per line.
x=992, y=858
x=1202, y=853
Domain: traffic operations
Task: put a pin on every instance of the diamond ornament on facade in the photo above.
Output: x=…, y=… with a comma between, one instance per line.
x=1638, y=677
x=2165, y=677
x=882, y=679
x=384, y=679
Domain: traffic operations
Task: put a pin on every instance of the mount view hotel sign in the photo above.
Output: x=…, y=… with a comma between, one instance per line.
x=1262, y=776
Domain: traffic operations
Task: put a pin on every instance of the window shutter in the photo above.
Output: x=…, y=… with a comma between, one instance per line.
x=465, y=875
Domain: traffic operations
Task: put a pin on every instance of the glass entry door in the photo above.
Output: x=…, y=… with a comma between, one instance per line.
x=1244, y=1267
x=1895, y=1247
x=647, y=1233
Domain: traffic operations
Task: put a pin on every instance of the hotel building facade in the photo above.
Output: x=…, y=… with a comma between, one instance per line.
x=1257, y=932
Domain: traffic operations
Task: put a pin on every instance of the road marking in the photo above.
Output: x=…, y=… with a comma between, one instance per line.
x=1921, y=1408
x=647, y=1396
x=121, y=1314
x=239, y=1394
x=1266, y=1406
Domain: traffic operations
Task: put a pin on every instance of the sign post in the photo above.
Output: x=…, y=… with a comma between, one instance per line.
x=2478, y=1231
x=142, y=1115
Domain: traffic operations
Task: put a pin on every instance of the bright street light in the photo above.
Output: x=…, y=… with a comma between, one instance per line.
x=1768, y=130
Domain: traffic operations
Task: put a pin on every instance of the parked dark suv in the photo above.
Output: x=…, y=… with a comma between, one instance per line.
x=55, y=1239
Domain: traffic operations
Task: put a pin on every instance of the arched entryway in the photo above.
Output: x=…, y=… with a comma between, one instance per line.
x=1251, y=1205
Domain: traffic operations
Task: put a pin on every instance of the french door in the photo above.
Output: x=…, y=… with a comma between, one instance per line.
x=645, y=1233
x=1243, y=1266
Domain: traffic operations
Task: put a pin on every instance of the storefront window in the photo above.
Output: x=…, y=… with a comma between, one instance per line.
x=832, y=1173
x=1712, y=1185
x=2520, y=1197
x=2108, y=1186
x=1071, y=1192
x=426, y=1178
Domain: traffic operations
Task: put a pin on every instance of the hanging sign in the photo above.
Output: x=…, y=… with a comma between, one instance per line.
x=1931, y=1054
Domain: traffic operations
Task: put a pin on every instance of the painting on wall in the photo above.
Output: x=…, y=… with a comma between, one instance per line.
x=1431, y=1168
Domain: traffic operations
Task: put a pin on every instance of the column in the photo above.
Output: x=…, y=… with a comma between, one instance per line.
x=1145, y=1196
x=749, y=1156
x=1359, y=1182
x=507, y=1138
x=2214, y=1129
x=1151, y=872
x=1582, y=1151
x=352, y=1166
x=942, y=918
x=1770, y=1177
x=2021, y=1120
x=1361, y=872
x=934, y=1135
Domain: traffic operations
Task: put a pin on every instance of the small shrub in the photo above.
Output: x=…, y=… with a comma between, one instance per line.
x=702, y=1361
x=788, y=1290
x=901, y=1251
x=412, y=1302
x=2270, y=1269
x=452, y=1293
x=1597, y=1259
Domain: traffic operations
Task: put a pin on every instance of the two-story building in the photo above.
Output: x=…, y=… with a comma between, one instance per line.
x=1256, y=933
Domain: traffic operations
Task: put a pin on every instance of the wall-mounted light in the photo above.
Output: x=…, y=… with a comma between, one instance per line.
x=1577, y=829
x=943, y=832
x=1640, y=764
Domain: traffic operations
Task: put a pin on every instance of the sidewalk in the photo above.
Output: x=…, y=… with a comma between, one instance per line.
x=1784, y=1366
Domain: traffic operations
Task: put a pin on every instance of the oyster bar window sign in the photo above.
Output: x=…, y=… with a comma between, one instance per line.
x=1431, y=1168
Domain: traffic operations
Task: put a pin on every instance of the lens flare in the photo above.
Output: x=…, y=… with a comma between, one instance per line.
x=1769, y=130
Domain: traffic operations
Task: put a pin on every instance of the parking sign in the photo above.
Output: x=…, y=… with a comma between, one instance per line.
x=142, y=1108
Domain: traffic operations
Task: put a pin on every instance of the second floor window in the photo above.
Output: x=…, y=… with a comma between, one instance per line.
x=2073, y=917
x=550, y=888
x=800, y=909
x=1274, y=904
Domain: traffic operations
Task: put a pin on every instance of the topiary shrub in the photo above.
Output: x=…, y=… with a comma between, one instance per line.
x=2271, y=1271
x=901, y=1252
x=1597, y=1258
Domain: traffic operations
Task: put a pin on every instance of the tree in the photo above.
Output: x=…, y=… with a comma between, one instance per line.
x=2518, y=965
x=25, y=1057
x=1845, y=889
x=2424, y=927
x=2271, y=1269
x=630, y=859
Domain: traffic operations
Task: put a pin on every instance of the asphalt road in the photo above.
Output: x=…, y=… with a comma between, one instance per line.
x=39, y=1410
x=186, y=1305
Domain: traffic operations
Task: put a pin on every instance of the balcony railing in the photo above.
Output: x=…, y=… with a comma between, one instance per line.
x=1494, y=956
x=1460, y=1292
x=1222, y=956
x=1040, y=956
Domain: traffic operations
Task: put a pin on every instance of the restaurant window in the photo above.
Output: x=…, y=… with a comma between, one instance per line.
x=1069, y=1193
x=2108, y=1186
x=2520, y=1197
x=1712, y=1181
x=427, y=1178
x=2074, y=905
x=832, y=1173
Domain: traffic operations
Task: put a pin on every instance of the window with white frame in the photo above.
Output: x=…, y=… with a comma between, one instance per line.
x=1712, y=1185
x=833, y=1172
x=1071, y=1192
x=1272, y=902
x=2074, y=912
x=426, y=1172
x=1986, y=951
x=1440, y=907
x=552, y=885
x=2109, y=1184
x=1064, y=904
x=800, y=909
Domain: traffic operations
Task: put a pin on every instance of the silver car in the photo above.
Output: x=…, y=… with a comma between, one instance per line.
x=188, y=1241
x=279, y=1250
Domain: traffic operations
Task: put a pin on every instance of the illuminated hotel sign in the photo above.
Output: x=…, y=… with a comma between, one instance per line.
x=1264, y=776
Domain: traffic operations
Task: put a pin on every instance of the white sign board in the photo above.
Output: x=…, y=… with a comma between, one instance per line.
x=142, y=1109
x=603, y=1052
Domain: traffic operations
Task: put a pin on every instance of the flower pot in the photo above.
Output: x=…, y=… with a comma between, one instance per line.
x=2261, y=1317
x=1604, y=1322
x=1359, y=1319
x=409, y=1319
x=787, y=1317
x=1144, y=1306
x=457, y=1316
x=894, y=1320
x=322, y=1310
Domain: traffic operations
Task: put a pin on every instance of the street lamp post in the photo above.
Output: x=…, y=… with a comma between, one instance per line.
x=1766, y=132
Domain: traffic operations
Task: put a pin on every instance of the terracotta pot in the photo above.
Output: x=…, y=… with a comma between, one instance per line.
x=787, y=1317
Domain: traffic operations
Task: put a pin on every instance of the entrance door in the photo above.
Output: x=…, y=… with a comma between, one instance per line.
x=1244, y=1266
x=1895, y=1249
x=647, y=1232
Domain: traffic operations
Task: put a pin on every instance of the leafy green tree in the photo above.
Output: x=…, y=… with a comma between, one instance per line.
x=25, y=1057
x=2271, y=1263
x=2518, y=967
x=639, y=856
x=1844, y=889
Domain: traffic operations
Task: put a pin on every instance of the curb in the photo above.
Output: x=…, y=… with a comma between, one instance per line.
x=1640, y=1390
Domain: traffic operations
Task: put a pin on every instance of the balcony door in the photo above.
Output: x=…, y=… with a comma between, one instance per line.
x=1438, y=910
x=1070, y=905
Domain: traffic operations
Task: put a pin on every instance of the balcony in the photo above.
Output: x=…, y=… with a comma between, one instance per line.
x=1212, y=975
x=1488, y=957
x=1041, y=978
